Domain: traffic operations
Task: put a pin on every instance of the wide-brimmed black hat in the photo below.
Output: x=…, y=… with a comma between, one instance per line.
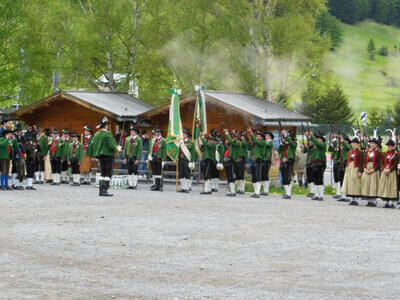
x=355, y=140
x=270, y=134
x=390, y=143
x=210, y=137
x=87, y=128
x=103, y=122
x=55, y=131
x=47, y=132
x=6, y=131
x=347, y=139
x=65, y=131
x=187, y=131
x=157, y=129
x=376, y=141
x=75, y=134
x=133, y=127
x=214, y=132
x=320, y=136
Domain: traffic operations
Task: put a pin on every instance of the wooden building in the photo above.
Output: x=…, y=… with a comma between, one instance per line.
x=233, y=110
x=74, y=109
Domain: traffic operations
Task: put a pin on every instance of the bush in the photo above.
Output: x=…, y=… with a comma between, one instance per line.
x=383, y=51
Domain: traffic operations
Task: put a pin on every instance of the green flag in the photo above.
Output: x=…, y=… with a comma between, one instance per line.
x=199, y=119
x=175, y=134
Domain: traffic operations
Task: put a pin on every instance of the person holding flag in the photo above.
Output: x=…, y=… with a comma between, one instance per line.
x=186, y=166
x=176, y=147
x=132, y=155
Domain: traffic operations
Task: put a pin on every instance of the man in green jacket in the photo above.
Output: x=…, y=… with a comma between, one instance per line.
x=55, y=156
x=267, y=162
x=6, y=150
x=104, y=149
x=43, y=143
x=241, y=164
x=318, y=164
x=157, y=156
x=132, y=155
x=209, y=149
x=74, y=158
x=231, y=159
x=217, y=166
x=287, y=155
x=258, y=141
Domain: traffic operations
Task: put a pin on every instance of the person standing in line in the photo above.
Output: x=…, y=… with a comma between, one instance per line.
x=104, y=149
x=132, y=154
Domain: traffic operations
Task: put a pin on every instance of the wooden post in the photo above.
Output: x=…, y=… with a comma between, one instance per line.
x=177, y=175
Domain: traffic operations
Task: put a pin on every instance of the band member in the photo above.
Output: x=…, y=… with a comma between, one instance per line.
x=157, y=157
x=267, y=162
x=185, y=164
x=218, y=164
x=55, y=149
x=287, y=154
x=43, y=143
x=31, y=150
x=258, y=152
x=209, y=149
x=387, y=189
x=6, y=149
x=86, y=165
x=74, y=158
x=132, y=155
x=231, y=157
x=340, y=148
x=48, y=174
x=66, y=140
x=353, y=173
x=241, y=164
x=371, y=174
x=310, y=181
x=104, y=149
x=318, y=163
x=18, y=159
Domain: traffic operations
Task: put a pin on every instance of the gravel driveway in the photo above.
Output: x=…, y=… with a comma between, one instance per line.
x=67, y=243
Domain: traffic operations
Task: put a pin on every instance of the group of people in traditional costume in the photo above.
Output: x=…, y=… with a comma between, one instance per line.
x=360, y=169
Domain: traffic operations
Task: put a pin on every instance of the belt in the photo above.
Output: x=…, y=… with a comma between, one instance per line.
x=316, y=161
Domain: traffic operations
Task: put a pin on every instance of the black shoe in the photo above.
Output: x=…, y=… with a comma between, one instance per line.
x=75, y=184
x=255, y=196
x=310, y=195
x=387, y=205
x=264, y=194
x=41, y=182
x=19, y=188
x=320, y=199
x=186, y=191
x=286, y=197
x=104, y=191
x=231, y=195
x=368, y=204
x=240, y=192
x=393, y=206
x=353, y=203
x=30, y=188
x=341, y=200
x=181, y=191
x=314, y=198
x=372, y=205
x=337, y=197
x=205, y=193
x=214, y=190
x=157, y=185
x=131, y=188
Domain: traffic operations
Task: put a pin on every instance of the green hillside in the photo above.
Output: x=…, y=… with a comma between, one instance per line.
x=369, y=84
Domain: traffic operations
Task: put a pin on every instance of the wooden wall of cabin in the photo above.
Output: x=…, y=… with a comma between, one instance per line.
x=65, y=114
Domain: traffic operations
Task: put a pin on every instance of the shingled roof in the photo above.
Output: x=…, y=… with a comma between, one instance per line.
x=265, y=111
x=121, y=105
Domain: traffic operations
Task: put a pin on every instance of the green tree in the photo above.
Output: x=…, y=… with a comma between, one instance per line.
x=349, y=11
x=371, y=49
x=326, y=104
x=396, y=113
x=327, y=24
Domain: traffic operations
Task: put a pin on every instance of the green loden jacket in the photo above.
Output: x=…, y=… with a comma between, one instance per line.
x=78, y=151
x=192, y=149
x=258, y=148
x=291, y=151
x=4, y=142
x=269, y=147
x=162, y=148
x=234, y=148
x=104, y=144
x=44, y=145
x=137, y=146
x=209, y=150
x=319, y=151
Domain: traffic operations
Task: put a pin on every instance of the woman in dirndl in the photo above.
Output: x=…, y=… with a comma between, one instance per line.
x=353, y=173
x=86, y=164
x=388, y=190
x=371, y=174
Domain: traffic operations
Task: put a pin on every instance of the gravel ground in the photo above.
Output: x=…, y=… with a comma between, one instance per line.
x=67, y=243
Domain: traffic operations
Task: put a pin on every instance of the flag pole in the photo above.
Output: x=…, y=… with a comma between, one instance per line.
x=177, y=175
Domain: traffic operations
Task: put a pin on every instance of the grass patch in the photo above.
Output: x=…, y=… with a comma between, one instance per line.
x=296, y=190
